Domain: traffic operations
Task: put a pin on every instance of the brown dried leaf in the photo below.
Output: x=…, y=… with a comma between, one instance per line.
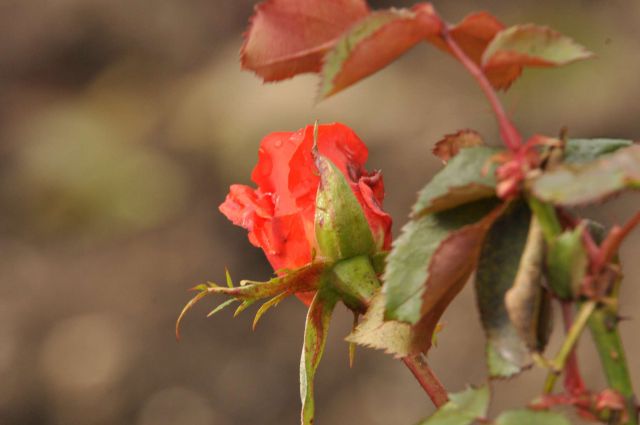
x=451, y=144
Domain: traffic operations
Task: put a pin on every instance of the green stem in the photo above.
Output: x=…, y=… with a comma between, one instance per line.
x=569, y=343
x=604, y=329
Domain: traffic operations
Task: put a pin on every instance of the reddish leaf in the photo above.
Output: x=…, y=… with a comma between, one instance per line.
x=449, y=147
x=432, y=260
x=375, y=42
x=473, y=34
x=531, y=45
x=290, y=37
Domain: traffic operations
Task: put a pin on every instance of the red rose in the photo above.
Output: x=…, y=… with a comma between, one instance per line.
x=279, y=214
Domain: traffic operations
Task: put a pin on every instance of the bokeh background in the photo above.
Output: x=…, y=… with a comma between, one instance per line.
x=122, y=124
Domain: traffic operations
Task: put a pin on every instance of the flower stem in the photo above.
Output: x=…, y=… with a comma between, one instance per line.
x=573, y=335
x=418, y=365
x=604, y=329
x=508, y=132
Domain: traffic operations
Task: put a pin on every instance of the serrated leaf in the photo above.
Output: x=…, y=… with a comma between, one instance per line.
x=468, y=177
x=451, y=144
x=463, y=408
x=531, y=417
x=567, y=263
x=432, y=259
x=267, y=305
x=342, y=230
x=374, y=43
x=290, y=37
x=527, y=302
x=473, y=34
x=532, y=45
x=507, y=353
x=577, y=151
x=373, y=332
x=585, y=183
x=315, y=338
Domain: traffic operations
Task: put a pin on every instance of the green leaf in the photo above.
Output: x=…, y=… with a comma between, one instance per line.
x=433, y=257
x=393, y=337
x=578, y=151
x=585, y=183
x=373, y=43
x=468, y=177
x=531, y=417
x=507, y=353
x=532, y=45
x=315, y=338
x=567, y=263
x=342, y=230
x=463, y=408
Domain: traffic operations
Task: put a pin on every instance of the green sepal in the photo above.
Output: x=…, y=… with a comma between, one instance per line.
x=315, y=338
x=342, y=230
x=305, y=279
x=356, y=281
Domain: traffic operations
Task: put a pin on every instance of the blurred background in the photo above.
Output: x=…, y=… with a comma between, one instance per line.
x=122, y=124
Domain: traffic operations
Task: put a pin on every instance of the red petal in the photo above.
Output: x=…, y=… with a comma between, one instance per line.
x=371, y=194
x=335, y=141
x=271, y=173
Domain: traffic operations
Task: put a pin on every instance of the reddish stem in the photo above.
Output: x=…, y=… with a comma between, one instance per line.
x=614, y=239
x=427, y=379
x=508, y=132
x=573, y=382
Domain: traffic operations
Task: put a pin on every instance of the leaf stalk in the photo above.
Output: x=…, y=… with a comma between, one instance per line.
x=418, y=365
x=508, y=132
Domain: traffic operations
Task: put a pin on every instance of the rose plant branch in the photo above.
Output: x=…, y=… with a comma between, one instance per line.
x=499, y=214
x=508, y=132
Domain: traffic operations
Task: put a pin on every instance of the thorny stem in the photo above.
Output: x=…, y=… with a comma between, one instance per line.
x=418, y=365
x=603, y=325
x=573, y=335
x=508, y=132
x=610, y=245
